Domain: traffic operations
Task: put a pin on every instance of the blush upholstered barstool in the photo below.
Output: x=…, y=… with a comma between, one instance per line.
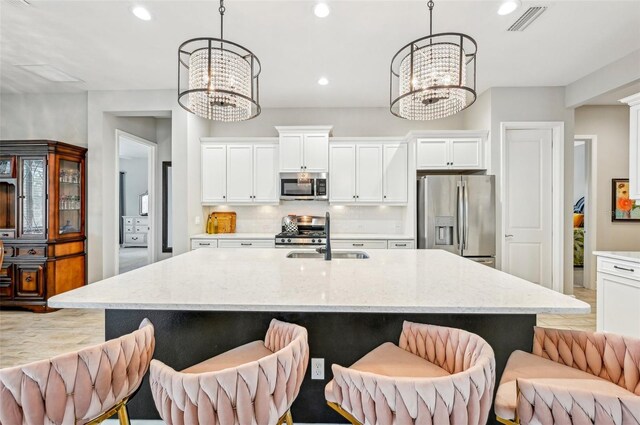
x=83, y=387
x=255, y=383
x=436, y=375
x=572, y=377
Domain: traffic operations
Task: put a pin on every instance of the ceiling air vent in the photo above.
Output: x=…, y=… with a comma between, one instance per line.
x=527, y=18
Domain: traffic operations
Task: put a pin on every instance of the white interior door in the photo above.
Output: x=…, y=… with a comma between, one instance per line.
x=528, y=175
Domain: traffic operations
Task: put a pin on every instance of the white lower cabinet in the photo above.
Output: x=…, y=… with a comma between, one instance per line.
x=355, y=243
x=204, y=243
x=400, y=244
x=618, y=297
x=246, y=243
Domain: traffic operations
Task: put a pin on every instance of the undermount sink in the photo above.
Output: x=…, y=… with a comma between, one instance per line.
x=338, y=255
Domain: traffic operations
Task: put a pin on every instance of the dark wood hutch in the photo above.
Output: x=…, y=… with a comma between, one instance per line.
x=42, y=221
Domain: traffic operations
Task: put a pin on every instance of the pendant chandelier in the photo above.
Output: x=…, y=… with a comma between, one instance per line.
x=217, y=78
x=434, y=76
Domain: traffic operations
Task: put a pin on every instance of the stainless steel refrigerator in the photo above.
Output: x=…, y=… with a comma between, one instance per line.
x=457, y=213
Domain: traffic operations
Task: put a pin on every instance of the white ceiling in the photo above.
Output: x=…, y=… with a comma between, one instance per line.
x=104, y=45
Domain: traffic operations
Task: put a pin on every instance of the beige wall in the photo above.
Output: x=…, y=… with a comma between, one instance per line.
x=60, y=116
x=611, y=125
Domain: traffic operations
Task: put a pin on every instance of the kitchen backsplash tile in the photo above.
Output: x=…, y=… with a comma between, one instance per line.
x=344, y=219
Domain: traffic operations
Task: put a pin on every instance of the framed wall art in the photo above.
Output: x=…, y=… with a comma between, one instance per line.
x=623, y=208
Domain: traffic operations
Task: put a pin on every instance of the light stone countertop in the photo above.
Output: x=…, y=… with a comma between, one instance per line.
x=632, y=256
x=337, y=236
x=390, y=281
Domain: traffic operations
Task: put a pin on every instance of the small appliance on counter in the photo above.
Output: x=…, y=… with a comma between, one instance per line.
x=457, y=213
x=302, y=231
x=221, y=222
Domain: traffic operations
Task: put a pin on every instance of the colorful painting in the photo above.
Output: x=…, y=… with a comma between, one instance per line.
x=623, y=208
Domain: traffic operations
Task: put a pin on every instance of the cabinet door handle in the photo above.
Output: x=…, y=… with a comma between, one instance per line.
x=623, y=268
x=31, y=252
x=5, y=234
x=357, y=244
x=28, y=279
x=135, y=239
x=204, y=244
x=245, y=244
x=401, y=244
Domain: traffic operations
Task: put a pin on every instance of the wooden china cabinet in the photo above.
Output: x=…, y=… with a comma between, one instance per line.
x=42, y=221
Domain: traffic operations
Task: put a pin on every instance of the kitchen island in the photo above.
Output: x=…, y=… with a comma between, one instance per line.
x=208, y=301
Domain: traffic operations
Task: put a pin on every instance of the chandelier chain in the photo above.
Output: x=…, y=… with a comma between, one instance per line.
x=430, y=5
x=221, y=10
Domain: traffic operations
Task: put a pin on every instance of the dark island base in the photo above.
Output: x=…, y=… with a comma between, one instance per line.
x=184, y=338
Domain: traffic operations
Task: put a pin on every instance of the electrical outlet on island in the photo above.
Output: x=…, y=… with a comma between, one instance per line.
x=317, y=368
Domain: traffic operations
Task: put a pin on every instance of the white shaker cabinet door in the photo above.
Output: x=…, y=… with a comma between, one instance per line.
x=342, y=176
x=265, y=173
x=395, y=178
x=316, y=153
x=214, y=173
x=291, y=153
x=618, y=301
x=433, y=154
x=239, y=174
x=369, y=173
x=466, y=153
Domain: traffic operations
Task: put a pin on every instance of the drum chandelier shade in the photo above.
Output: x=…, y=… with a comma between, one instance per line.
x=218, y=79
x=435, y=76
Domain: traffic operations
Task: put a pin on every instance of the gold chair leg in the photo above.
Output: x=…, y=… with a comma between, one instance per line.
x=123, y=414
x=288, y=418
x=348, y=416
x=506, y=421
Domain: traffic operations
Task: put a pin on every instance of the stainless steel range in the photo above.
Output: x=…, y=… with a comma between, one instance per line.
x=311, y=233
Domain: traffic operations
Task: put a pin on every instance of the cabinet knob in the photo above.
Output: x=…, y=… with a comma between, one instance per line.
x=28, y=279
x=224, y=197
x=354, y=196
x=385, y=196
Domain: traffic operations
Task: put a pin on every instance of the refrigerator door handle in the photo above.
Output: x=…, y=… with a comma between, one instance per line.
x=459, y=218
x=466, y=216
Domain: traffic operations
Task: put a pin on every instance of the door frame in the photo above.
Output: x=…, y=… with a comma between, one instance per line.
x=557, y=198
x=151, y=187
x=591, y=211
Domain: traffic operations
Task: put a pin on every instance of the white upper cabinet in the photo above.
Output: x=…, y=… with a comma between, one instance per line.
x=369, y=173
x=236, y=173
x=265, y=173
x=239, y=174
x=316, y=153
x=214, y=173
x=395, y=176
x=291, y=148
x=304, y=149
x=450, y=154
x=634, y=145
x=433, y=154
x=342, y=177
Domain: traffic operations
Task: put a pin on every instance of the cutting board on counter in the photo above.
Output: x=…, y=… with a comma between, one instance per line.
x=226, y=222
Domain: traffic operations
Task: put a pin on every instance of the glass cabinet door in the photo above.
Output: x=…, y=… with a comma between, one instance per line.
x=33, y=197
x=70, y=198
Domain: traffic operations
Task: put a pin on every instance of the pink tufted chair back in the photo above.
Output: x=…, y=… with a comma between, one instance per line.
x=77, y=387
x=609, y=356
x=259, y=392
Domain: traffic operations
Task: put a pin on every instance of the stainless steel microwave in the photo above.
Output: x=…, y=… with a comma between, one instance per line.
x=303, y=186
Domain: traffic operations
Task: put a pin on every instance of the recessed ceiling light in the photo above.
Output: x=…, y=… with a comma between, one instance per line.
x=323, y=81
x=508, y=6
x=50, y=73
x=321, y=10
x=141, y=13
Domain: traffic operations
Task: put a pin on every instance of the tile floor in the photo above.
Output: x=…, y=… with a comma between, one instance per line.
x=27, y=337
